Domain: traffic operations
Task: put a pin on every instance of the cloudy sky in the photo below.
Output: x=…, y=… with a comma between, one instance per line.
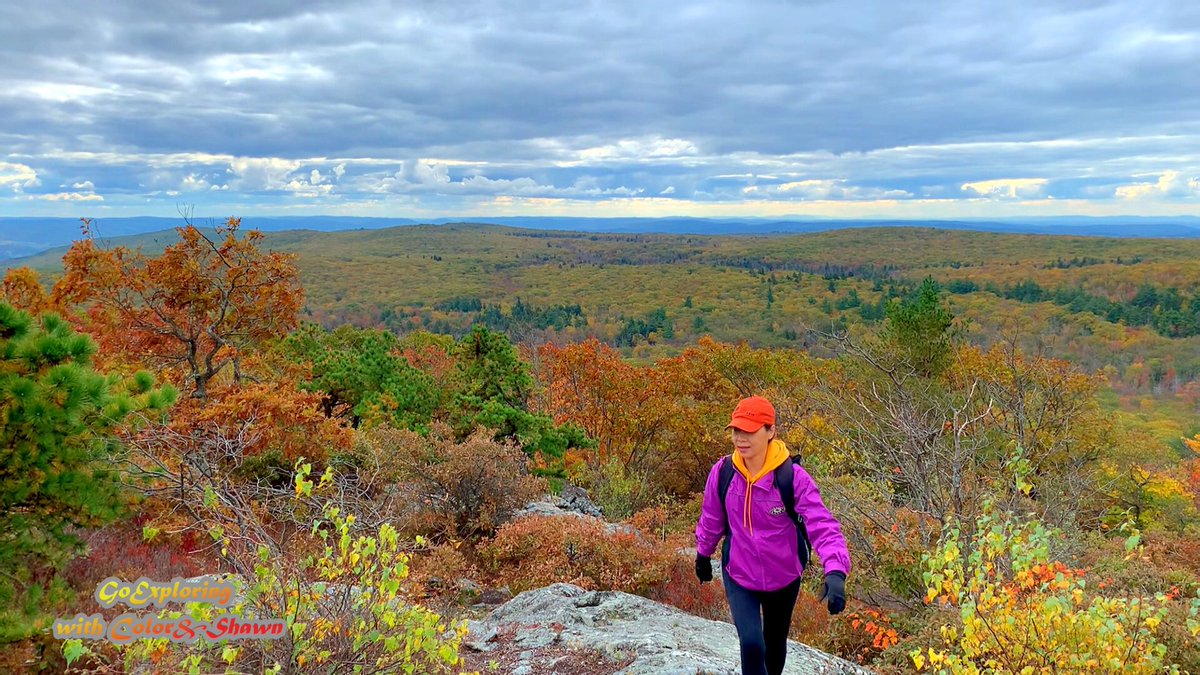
x=618, y=108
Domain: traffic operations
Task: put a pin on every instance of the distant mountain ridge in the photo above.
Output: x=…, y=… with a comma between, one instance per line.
x=25, y=236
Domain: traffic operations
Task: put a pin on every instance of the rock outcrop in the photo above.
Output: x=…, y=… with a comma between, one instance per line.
x=634, y=635
x=573, y=501
x=576, y=499
x=575, y=505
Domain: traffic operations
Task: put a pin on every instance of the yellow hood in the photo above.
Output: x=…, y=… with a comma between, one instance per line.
x=777, y=453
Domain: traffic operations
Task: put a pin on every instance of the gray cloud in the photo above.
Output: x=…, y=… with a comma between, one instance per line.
x=839, y=101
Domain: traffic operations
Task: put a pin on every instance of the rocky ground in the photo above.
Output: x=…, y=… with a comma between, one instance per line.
x=565, y=630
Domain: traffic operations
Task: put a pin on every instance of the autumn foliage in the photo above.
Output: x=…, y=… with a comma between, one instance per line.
x=446, y=429
x=192, y=311
x=1021, y=610
x=666, y=421
x=539, y=550
x=621, y=406
x=278, y=417
x=446, y=489
x=22, y=289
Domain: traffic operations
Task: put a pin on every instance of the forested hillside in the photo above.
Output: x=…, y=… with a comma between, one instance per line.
x=1132, y=304
x=1097, y=302
x=1005, y=425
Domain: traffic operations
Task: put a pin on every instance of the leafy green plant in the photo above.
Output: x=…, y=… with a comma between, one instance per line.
x=1021, y=611
x=58, y=445
x=344, y=604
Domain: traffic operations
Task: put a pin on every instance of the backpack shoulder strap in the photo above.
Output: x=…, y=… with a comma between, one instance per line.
x=785, y=482
x=725, y=478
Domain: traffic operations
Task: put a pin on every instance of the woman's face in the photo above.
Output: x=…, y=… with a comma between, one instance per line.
x=752, y=445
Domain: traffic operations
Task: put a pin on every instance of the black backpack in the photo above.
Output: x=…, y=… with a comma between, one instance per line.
x=787, y=492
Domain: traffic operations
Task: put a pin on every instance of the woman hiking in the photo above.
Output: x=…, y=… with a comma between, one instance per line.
x=765, y=550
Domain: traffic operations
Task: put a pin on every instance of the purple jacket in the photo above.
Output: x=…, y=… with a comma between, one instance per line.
x=765, y=558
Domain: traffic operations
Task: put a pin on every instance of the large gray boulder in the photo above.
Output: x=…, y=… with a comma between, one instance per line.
x=639, y=635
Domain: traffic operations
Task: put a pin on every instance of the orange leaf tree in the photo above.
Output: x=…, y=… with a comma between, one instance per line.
x=707, y=380
x=195, y=308
x=1192, y=467
x=619, y=405
x=22, y=290
x=667, y=420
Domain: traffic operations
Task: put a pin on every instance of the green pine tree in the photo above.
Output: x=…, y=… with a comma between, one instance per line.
x=491, y=369
x=57, y=417
x=362, y=371
x=921, y=329
x=493, y=390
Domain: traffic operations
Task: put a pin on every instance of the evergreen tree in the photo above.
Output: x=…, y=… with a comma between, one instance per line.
x=491, y=369
x=362, y=375
x=493, y=391
x=56, y=450
x=921, y=330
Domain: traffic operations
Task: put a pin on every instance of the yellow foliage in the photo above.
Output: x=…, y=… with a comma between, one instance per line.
x=1019, y=611
x=1193, y=444
x=345, y=607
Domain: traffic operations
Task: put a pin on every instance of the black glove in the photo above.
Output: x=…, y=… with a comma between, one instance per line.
x=835, y=592
x=703, y=568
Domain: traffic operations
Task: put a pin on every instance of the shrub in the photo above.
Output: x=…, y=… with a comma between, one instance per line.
x=280, y=419
x=437, y=570
x=540, y=550
x=1019, y=611
x=681, y=589
x=345, y=608
x=448, y=489
x=1166, y=564
x=618, y=490
x=887, y=550
x=860, y=636
x=1175, y=553
x=126, y=551
x=1179, y=637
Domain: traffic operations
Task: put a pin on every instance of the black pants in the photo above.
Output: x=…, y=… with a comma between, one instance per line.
x=762, y=619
